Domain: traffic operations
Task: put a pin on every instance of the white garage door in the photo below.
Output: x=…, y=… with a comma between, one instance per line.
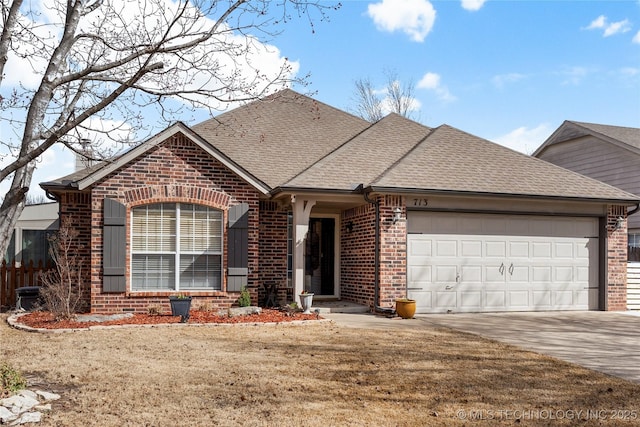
x=474, y=263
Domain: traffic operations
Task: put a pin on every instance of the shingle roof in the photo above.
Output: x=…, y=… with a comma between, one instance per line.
x=625, y=137
x=280, y=136
x=290, y=141
x=362, y=159
x=451, y=160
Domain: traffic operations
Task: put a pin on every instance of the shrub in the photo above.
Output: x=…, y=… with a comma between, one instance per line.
x=11, y=380
x=61, y=291
x=245, y=297
x=154, y=310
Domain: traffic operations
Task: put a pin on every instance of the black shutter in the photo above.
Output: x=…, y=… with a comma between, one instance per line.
x=238, y=247
x=114, y=246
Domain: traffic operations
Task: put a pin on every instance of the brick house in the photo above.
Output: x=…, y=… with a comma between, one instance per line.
x=291, y=194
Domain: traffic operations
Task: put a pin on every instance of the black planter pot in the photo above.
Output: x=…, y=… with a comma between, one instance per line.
x=180, y=306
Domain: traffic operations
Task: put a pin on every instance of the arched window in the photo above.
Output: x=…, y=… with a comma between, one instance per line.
x=176, y=246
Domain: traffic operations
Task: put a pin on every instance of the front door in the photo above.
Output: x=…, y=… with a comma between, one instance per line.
x=319, y=256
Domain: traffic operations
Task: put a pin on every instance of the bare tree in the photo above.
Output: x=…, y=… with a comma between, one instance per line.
x=396, y=97
x=368, y=103
x=69, y=67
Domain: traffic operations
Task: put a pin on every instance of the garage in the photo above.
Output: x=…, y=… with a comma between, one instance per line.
x=469, y=262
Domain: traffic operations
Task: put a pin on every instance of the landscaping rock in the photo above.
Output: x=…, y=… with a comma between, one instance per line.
x=26, y=407
x=47, y=396
x=6, y=415
x=243, y=311
x=19, y=403
x=28, y=417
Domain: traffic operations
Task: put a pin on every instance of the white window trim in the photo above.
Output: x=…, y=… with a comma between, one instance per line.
x=177, y=252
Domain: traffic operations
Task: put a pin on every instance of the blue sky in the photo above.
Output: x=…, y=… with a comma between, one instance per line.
x=507, y=71
x=510, y=71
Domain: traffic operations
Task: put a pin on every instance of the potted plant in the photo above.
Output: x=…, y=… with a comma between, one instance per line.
x=306, y=300
x=405, y=307
x=180, y=306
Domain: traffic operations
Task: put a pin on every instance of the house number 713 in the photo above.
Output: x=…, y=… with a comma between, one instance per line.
x=420, y=202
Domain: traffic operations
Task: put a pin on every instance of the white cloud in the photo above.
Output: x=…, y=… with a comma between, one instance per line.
x=502, y=79
x=636, y=38
x=431, y=81
x=629, y=71
x=413, y=17
x=523, y=139
x=601, y=23
x=574, y=75
x=472, y=5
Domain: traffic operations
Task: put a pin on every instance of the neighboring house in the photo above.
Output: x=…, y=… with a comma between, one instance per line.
x=610, y=154
x=29, y=240
x=292, y=193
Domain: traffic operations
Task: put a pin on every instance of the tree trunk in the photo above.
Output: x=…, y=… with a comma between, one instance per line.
x=13, y=204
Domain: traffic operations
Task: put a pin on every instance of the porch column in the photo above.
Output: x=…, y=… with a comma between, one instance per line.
x=301, y=213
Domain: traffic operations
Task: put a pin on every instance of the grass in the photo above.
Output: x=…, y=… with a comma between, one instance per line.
x=313, y=375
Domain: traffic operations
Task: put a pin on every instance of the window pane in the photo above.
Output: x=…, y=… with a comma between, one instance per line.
x=154, y=228
x=200, y=229
x=35, y=246
x=200, y=272
x=10, y=256
x=153, y=272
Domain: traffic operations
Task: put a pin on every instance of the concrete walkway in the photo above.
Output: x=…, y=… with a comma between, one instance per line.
x=608, y=342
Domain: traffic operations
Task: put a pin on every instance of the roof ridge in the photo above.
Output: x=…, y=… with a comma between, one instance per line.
x=351, y=138
x=430, y=131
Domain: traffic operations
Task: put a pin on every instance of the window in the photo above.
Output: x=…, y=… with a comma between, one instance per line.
x=176, y=247
x=10, y=255
x=633, y=252
x=35, y=246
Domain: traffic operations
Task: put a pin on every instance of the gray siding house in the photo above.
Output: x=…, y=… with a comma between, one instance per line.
x=610, y=154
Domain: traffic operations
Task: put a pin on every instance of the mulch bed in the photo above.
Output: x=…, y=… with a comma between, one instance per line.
x=45, y=320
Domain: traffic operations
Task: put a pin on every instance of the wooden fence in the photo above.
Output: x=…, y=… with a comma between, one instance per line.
x=13, y=277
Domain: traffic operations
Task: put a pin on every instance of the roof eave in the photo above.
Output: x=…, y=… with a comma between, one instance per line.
x=285, y=190
x=162, y=136
x=381, y=189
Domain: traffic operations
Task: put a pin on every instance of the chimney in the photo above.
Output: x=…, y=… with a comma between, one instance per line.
x=84, y=155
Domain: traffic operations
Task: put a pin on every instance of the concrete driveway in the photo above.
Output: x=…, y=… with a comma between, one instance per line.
x=608, y=342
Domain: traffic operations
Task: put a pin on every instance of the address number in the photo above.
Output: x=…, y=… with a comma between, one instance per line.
x=420, y=202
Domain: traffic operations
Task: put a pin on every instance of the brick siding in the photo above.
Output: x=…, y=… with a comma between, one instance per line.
x=174, y=171
x=272, y=264
x=393, y=251
x=616, y=259
x=357, y=255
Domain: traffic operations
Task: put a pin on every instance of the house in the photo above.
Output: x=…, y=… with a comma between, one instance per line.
x=289, y=193
x=29, y=240
x=610, y=154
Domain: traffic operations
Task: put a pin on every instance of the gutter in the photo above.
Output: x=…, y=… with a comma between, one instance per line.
x=634, y=210
x=439, y=192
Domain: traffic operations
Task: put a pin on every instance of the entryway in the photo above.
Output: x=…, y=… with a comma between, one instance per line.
x=320, y=257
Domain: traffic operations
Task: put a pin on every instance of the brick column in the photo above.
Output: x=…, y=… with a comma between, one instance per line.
x=616, y=259
x=393, y=251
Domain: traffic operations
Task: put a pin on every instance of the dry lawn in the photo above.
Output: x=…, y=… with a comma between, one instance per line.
x=313, y=375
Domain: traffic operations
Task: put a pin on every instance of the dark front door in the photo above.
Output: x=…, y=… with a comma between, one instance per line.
x=320, y=256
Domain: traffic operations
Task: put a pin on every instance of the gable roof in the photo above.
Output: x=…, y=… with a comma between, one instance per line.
x=289, y=142
x=455, y=162
x=278, y=137
x=83, y=179
x=624, y=137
